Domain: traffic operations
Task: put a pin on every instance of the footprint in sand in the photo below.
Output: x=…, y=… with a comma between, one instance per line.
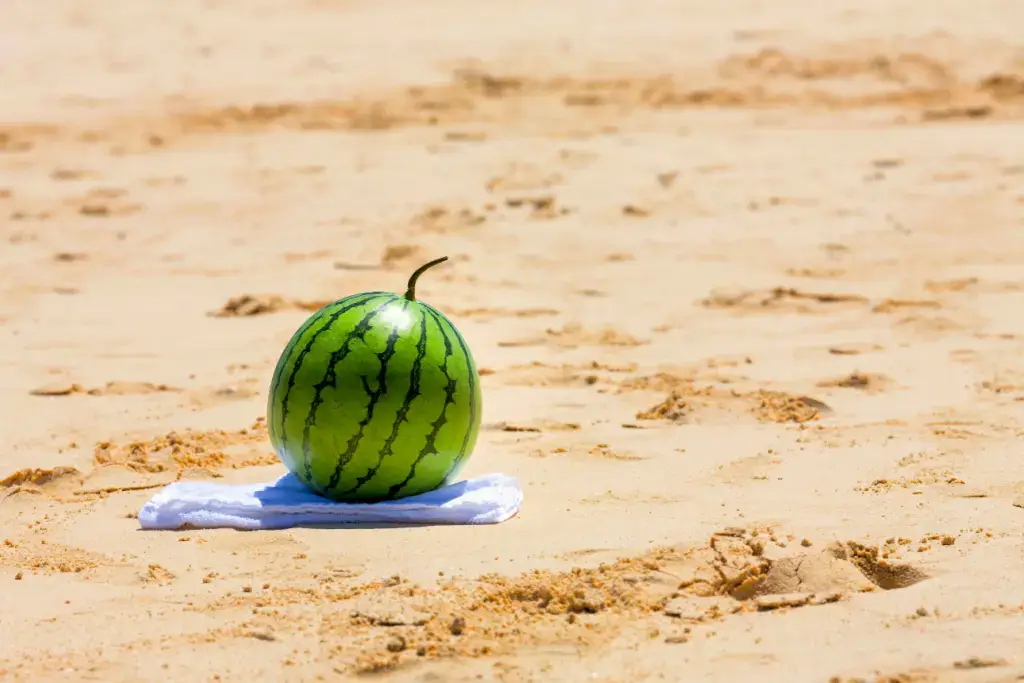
x=757, y=569
x=55, y=481
x=574, y=335
x=247, y=305
x=443, y=220
x=697, y=404
x=149, y=463
x=870, y=383
x=782, y=299
x=115, y=388
x=104, y=203
x=542, y=207
x=187, y=449
x=601, y=451
x=488, y=313
x=537, y=374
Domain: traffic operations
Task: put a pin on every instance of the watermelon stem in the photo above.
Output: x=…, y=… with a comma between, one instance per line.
x=410, y=292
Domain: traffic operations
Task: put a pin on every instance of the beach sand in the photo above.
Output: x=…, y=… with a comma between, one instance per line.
x=744, y=284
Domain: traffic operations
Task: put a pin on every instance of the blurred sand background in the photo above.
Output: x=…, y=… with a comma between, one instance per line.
x=745, y=282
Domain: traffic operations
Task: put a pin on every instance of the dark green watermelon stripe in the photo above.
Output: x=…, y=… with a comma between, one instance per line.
x=382, y=386
x=285, y=363
x=362, y=300
x=470, y=375
x=429, y=447
x=403, y=410
x=330, y=377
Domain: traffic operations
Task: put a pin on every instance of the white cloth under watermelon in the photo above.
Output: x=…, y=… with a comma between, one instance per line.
x=287, y=502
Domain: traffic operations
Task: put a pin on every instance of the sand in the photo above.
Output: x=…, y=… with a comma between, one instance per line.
x=744, y=283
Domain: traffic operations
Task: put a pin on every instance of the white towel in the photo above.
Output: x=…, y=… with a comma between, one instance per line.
x=488, y=499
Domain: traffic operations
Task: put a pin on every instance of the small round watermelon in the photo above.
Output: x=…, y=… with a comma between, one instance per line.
x=375, y=397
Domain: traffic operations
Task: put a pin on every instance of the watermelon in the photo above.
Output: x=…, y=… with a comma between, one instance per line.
x=375, y=397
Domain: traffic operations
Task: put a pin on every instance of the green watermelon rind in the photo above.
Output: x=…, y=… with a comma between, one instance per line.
x=360, y=412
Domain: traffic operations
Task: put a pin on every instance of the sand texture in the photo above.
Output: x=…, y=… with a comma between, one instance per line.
x=745, y=283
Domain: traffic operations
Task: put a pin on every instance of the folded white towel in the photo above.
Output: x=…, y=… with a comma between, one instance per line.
x=489, y=499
